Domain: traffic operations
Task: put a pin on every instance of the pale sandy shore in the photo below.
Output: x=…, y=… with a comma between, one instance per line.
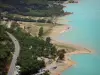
x=57, y=30
x=67, y=63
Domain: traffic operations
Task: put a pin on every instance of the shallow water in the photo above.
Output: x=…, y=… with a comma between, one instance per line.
x=85, y=32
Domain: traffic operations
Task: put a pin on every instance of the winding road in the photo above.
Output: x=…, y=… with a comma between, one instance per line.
x=15, y=55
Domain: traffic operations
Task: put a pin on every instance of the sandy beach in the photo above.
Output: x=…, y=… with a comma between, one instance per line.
x=57, y=30
x=67, y=63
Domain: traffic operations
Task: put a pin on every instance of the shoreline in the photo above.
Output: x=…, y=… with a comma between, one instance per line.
x=67, y=63
x=55, y=32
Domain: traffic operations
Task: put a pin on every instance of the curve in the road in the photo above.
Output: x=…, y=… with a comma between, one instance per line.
x=15, y=55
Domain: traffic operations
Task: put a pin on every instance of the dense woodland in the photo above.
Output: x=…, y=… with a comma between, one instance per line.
x=40, y=8
x=6, y=47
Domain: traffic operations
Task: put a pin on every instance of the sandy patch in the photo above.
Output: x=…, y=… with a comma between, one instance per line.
x=33, y=27
x=57, y=30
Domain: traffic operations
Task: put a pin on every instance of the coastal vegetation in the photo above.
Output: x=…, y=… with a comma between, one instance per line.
x=6, y=48
x=72, y=1
x=16, y=18
x=34, y=49
x=47, y=8
x=40, y=32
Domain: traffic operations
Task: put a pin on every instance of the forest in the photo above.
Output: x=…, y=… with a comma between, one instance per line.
x=6, y=48
x=38, y=8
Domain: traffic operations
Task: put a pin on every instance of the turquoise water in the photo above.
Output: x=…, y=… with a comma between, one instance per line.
x=85, y=32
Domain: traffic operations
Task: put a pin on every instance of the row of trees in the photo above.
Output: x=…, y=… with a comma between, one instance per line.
x=11, y=17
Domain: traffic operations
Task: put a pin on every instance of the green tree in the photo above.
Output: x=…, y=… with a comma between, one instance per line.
x=2, y=32
x=4, y=57
x=2, y=29
x=40, y=34
x=48, y=40
x=61, y=54
x=47, y=73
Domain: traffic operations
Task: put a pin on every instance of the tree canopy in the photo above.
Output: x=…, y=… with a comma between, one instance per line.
x=5, y=50
x=32, y=48
x=40, y=32
x=47, y=8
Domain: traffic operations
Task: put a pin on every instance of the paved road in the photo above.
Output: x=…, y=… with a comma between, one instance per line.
x=15, y=55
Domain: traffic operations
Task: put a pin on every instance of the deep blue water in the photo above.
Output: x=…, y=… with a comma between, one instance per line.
x=85, y=32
